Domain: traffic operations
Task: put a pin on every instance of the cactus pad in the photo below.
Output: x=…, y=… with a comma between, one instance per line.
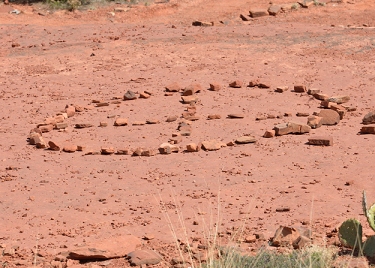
x=369, y=247
x=350, y=233
x=370, y=213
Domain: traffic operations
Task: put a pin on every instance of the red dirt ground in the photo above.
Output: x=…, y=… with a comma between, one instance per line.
x=56, y=199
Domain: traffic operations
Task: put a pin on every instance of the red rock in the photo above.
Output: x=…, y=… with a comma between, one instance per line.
x=269, y=133
x=215, y=87
x=301, y=242
x=192, y=118
x=123, y=151
x=236, y=84
x=368, y=130
x=254, y=83
x=167, y=148
x=37, y=140
x=70, y=110
x=174, y=87
x=102, y=104
x=46, y=128
x=103, y=124
x=313, y=91
x=53, y=146
x=213, y=116
x=211, y=145
x=245, y=17
x=172, y=118
x=306, y=3
x=236, y=116
x=80, y=148
x=250, y=239
x=258, y=12
x=284, y=236
x=50, y=121
x=291, y=128
x=192, y=89
x=282, y=89
x=264, y=85
x=137, y=152
x=83, y=125
x=70, y=148
x=302, y=114
x=121, y=122
x=144, y=257
x=320, y=140
x=139, y=123
x=369, y=118
x=144, y=95
x=191, y=147
x=202, y=23
x=274, y=10
x=245, y=139
x=299, y=88
x=314, y=121
x=149, y=152
x=36, y=131
x=152, y=121
x=330, y=117
x=320, y=96
x=107, y=150
x=59, y=118
x=189, y=99
x=79, y=108
x=130, y=95
x=61, y=125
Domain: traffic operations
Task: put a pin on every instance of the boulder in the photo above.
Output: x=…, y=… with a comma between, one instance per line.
x=369, y=118
x=144, y=257
x=329, y=117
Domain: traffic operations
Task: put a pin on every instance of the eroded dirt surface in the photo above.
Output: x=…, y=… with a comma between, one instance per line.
x=56, y=199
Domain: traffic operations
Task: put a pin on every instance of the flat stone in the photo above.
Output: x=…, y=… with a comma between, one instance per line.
x=213, y=116
x=124, y=151
x=269, y=134
x=339, y=99
x=61, y=125
x=83, y=125
x=236, y=116
x=139, y=123
x=79, y=108
x=211, y=145
x=369, y=118
x=53, y=146
x=258, y=12
x=253, y=83
x=167, y=148
x=306, y=3
x=321, y=140
x=149, y=152
x=189, y=99
x=46, y=128
x=144, y=95
x=152, y=121
x=172, y=118
x=102, y=104
x=300, y=88
x=302, y=114
x=274, y=10
x=215, y=87
x=174, y=87
x=313, y=91
x=70, y=148
x=329, y=117
x=192, y=89
x=121, y=122
x=103, y=124
x=192, y=118
x=291, y=128
x=107, y=150
x=144, y=257
x=245, y=17
x=264, y=85
x=70, y=111
x=368, y=130
x=114, y=247
x=137, y=152
x=202, y=23
x=236, y=84
x=321, y=96
x=38, y=141
x=281, y=89
x=191, y=147
x=246, y=139
x=130, y=95
x=314, y=121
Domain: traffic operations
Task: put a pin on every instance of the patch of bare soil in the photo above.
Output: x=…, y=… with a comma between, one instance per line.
x=55, y=201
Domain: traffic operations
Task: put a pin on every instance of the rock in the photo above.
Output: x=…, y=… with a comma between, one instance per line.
x=137, y=152
x=300, y=88
x=37, y=140
x=79, y=108
x=264, y=85
x=102, y=104
x=302, y=114
x=103, y=124
x=236, y=116
x=269, y=134
x=314, y=121
x=174, y=87
x=339, y=99
x=250, y=239
x=167, y=148
x=149, y=152
x=215, y=87
x=83, y=125
x=369, y=118
x=189, y=99
x=192, y=118
x=70, y=110
x=53, y=146
x=284, y=236
x=291, y=128
x=144, y=257
x=306, y=3
x=254, y=83
x=49, y=121
x=258, y=12
x=192, y=147
x=274, y=10
x=282, y=89
x=121, y=122
x=202, y=23
x=144, y=95
x=46, y=128
x=320, y=140
x=130, y=95
x=192, y=89
x=245, y=17
x=107, y=150
x=81, y=148
x=211, y=145
x=172, y=118
x=236, y=84
x=185, y=130
x=176, y=139
x=313, y=91
x=124, y=151
x=70, y=148
x=213, y=116
x=245, y=140
x=61, y=125
x=59, y=118
x=320, y=96
x=114, y=247
x=139, y=123
x=152, y=121
x=339, y=109
x=368, y=130
x=301, y=242
x=329, y=117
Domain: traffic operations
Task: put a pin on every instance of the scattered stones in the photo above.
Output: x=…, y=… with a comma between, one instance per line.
x=189, y=99
x=70, y=148
x=123, y=151
x=172, y=118
x=70, y=110
x=282, y=89
x=213, y=116
x=192, y=89
x=144, y=257
x=167, y=148
x=291, y=128
x=300, y=88
x=53, y=146
x=46, y=128
x=320, y=140
x=258, y=12
x=245, y=139
x=274, y=10
x=314, y=121
x=202, y=23
x=368, y=130
x=121, y=122
x=174, y=87
x=236, y=84
x=329, y=117
x=339, y=99
x=114, y=247
x=149, y=152
x=130, y=95
x=212, y=145
x=236, y=116
x=215, y=87
x=284, y=236
x=369, y=118
x=107, y=150
x=83, y=125
x=269, y=134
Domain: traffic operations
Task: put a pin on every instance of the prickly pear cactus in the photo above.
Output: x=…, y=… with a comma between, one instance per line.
x=350, y=233
x=369, y=247
x=370, y=213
